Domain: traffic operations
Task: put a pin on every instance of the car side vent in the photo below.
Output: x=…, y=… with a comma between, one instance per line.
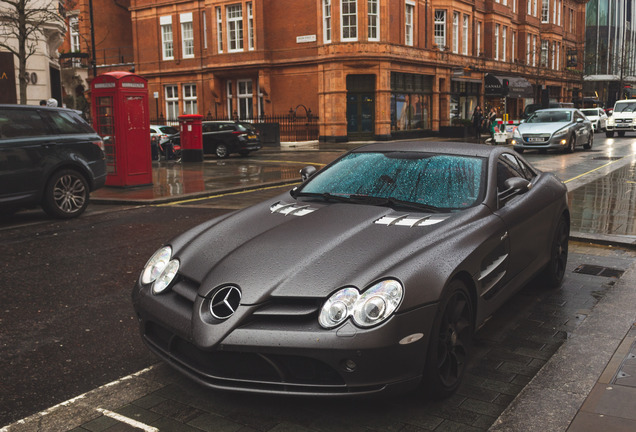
x=291, y=209
x=410, y=221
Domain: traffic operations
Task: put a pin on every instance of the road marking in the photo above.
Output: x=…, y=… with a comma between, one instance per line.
x=128, y=421
x=595, y=169
x=224, y=195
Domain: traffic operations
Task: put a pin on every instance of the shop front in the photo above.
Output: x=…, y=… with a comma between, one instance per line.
x=509, y=94
x=464, y=98
x=410, y=104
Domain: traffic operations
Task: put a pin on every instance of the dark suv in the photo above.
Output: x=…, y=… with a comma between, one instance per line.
x=222, y=138
x=50, y=157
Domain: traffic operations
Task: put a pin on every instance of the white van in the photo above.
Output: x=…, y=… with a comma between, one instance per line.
x=623, y=118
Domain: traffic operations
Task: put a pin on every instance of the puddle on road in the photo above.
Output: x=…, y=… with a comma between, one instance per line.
x=607, y=205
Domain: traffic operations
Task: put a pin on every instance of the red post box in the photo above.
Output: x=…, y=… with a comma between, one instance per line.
x=121, y=117
x=191, y=137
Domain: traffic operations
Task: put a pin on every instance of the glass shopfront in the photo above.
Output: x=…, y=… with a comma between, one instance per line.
x=463, y=100
x=410, y=102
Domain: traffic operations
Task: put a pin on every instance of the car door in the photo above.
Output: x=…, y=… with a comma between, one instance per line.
x=522, y=213
x=27, y=146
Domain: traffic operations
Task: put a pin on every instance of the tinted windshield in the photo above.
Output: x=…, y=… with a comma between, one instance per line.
x=441, y=181
x=550, y=117
x=625, y=107
x=168, y=130
x=590, y=112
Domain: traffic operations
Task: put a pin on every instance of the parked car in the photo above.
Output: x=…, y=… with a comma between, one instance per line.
x=163, y=132
x=222, y=138
x=623, y=118
x=554, y=129
x=50, y=157
x=597, y=117
x=371, y=276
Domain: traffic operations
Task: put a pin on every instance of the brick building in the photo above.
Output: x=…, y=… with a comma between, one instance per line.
x=368, y=68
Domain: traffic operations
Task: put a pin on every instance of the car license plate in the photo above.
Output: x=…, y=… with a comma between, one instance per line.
x=251, y=136
x=535, y=139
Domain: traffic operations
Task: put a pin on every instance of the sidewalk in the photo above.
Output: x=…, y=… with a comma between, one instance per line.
x=589, y=384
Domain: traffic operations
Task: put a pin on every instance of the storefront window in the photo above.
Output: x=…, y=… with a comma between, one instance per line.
x=463, y=100
x=410, y=102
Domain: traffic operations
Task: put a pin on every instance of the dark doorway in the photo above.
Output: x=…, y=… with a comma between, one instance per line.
x=56, y=85
x=360, y=106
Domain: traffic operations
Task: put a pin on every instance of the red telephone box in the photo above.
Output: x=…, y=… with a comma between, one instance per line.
x=121, y=117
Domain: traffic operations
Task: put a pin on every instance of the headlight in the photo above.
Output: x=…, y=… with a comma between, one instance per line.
x=160, y=270
x=516, y=133
x=370, y=308
x=560, y=132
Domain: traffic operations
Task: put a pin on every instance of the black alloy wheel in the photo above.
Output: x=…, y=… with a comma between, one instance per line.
x=590, y=142
x=621, y=133
x=451, y=341
x=609, y=134
x=571, y=145
x=66, y=194
x=555, y=269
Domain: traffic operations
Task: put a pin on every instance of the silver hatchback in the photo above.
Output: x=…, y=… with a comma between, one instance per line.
x=554, y=129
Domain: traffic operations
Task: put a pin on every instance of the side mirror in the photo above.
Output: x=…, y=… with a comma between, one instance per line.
x=517, y=184
x=307, y=172
x=580, y=120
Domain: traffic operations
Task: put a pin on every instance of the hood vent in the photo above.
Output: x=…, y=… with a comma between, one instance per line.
x=410, y=221
x=291, y=209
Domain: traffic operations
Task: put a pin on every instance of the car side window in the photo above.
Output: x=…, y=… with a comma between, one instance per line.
x=17, y=123
x=508, y=167
x=523, y=170
x=67, y=123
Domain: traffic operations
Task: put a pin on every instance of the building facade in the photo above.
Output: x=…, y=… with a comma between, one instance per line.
x=610, y=50
x=375, y=69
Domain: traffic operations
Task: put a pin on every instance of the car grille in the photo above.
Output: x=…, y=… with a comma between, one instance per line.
x=245, y=370
x=536, y=139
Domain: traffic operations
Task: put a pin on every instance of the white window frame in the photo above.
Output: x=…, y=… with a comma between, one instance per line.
x=545, y=11
x=504, y=43
x=497, y=27
x=534, y=50
x=373, y=18
x=245, y=96
x=234, y=17
x=326, y=21
x=439, y=29
x=478, y=44
x=455, y=32
x=219, y=29
x=409, y=10
x=349, y=21
x=167, y=37
x=534, y=7
x=250, y=26
x=189, y=98
x=552, y=56
x=465, y=28
x=230, y=101
x=529, y=4
x=187, y=35
x=513, y=46
x=555, y=4
x=171, y=95
x=74, y=38
x=559, y=12
x=528, y=50
x=543, y=61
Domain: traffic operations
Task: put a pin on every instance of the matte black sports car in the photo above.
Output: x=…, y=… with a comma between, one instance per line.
x=370, y=276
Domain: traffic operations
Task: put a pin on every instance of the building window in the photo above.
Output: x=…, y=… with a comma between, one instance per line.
x=513, y=47
x=230, y=104
x=187, y=35
x=544, y=53
x=529, y=3
x=373, y=14
x=497, y=26
x=553, y=64
x=172, y=102
x=558, y=56
x=250, y=26
x=349, y=19
x=455, y=32
x=559, y=13
x=554, y=11
x=326, y=21
x=408, y=20
x=410, y=101
x=245, y=99
x=235, y=28
x=545, y=11
x=440, y=29
x=478, y=37
x=504, y=37
x=205, y=29
x=534, y=7
x=528, y=50
x=534, y=50
x=571, y=14
x=219, y=30
x=465, y=36
x=166, y=37
x=190, y=99
x=73, y=27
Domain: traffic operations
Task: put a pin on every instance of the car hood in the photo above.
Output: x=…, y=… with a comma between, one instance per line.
x=271, y=250
x=541, y=128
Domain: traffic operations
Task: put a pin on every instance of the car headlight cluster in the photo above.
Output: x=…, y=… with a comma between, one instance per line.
x=367, y=309
x=516, y=133
x=160, y=270
x=560, y=133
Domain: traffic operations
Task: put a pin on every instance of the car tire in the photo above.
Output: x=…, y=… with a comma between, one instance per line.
x=609, y=134
x=621, y=134
x=590, y=142
x=66, y=194
x=450, y=342
x=571, y=145
x=221, y=151
x=555, y=268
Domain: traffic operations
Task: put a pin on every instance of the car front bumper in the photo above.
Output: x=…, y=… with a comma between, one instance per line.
x=621, y=126
x=283, y=355
x=543, y=142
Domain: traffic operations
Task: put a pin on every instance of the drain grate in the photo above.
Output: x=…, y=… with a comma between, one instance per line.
x=595, y=270
x=610, y=158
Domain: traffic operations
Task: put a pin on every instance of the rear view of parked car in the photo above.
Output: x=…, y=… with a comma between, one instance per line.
x=223, y=138
x=49, y=157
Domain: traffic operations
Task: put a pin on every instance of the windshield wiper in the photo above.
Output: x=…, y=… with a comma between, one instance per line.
x=371, y=200
x=394, y=202
x=325, y=196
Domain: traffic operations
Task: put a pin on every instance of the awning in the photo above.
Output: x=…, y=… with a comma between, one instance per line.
x=509, y=86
